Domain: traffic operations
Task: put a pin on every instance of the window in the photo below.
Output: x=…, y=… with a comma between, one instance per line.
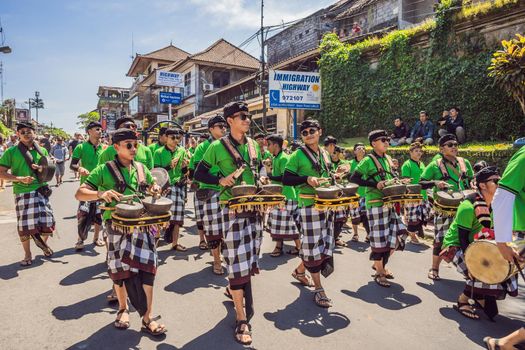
x=187, y=84
x=220, y=79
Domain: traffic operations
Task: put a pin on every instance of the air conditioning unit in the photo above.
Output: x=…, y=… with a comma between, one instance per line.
x=208, y=87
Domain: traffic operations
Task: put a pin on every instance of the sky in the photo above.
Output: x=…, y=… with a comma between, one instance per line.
x=65, y=49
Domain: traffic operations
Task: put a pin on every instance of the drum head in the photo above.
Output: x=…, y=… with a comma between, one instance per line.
x=48, y=169
x=485, y=262
x=161, y=177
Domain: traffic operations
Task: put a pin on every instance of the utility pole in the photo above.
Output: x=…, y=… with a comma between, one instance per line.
x=36, y=103
x=1, y=82
x=263, y=94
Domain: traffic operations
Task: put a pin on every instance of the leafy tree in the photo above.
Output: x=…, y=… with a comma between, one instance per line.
x=508, y=68
x=86, y=118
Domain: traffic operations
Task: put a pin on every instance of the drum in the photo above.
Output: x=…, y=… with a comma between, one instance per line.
x=145, y=222
x=46, y=170
x=261, y=203
x=406, y=198
x=485, y=263
x=341, y=203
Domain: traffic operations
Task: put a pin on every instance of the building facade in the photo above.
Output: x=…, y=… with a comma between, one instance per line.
x=112, y=105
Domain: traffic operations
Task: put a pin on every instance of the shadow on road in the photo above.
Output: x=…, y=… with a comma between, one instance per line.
x=10, y=271
x=110, y=338
x=393, y=298
x=308, y=318
x=94, y=272
x=476, y=330
x=84, y=307
x=416, y=248
x=359, y=247
x=201, y=279
x=445, y=289
x=270, y=263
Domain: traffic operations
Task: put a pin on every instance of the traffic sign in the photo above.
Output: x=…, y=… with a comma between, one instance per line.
x=166, y=97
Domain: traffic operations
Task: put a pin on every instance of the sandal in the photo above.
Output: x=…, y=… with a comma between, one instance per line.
x=320, y=300
x=26, y=262
x=388, y=275
x=340, y=243
x=79, y=245
x=433, y=274
x=302, y=278
x=355, y=237
x=111, y=298
x=121, y=324
x=278, y=251
x=294, y=251
x=179, y=248
x=380, y=279
x=203, y=245
x=99, y=242
x=466, y=310
x=218, y=270
x=238, y=331
x=159, y=330
x=496, y=346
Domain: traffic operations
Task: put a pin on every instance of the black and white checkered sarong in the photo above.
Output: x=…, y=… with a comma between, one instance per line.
x=441, y=226
x=418, y=213
x=242, y=243
x=357, y=212
x=129, y=253
x=178, y=196
x=317, y=241
x=281, y=222
x=34, y=214
x=199, y=208
x=386, y=229
x=510, y=286
x=212, y=219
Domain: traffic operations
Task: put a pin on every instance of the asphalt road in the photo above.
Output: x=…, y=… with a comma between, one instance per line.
x=59, y=303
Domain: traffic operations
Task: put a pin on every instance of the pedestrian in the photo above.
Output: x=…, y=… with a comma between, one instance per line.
x=308, y=168
x=454, y=124
x=33, y=211
x=174, y=159
x=400, y=133
x=60, y=155
x=242, y=233
x=206, y=203
x=132, y=259
x=358, y=215
x=417, y=213
x=387, y=231
x=473, y=223
x=446, y=172
x=71, y=148
x=423, y=130
x=13, y=141
x=143, y=153
x=261, y=140
x=45, y=141
x=84, y=160
x=2, y=151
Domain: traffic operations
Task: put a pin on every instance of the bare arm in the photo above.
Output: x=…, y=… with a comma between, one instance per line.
x=4, y=175
x=87, y=193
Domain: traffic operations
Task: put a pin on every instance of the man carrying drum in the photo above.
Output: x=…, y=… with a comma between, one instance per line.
x=448, y=171
x=309, y=167
x=387, y=231
x=174, y=160
x=472, y=223
x=209, y=222
x=232, y=160
x=132, y=258
x=358, y=214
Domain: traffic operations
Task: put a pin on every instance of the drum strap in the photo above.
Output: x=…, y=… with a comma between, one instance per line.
x=316, y=161
x=461, y=174
x=228, y=143
x=28, y=157
x=114, y=169
x=381, y=171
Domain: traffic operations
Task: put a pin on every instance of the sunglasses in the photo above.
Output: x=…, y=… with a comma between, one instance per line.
x=175, y=137
x=384, y=139
x=245, y=116
x=310, y=131
x=129, y=126
x=495, y=181
x=131, y=145
x=28, y=132
x=451, y=144
x=97, y=129
x=221, y=126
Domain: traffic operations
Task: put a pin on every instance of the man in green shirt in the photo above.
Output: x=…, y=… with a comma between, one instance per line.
x=358, y=214
x=33, y=211
x=207, y=213
x=223, y=160
x=260, y=138
x=85, y=159
x=143, y=153
x=282, y=222
x=307, y=168
x=132, y=257
x=417, y=214
x=473, y=222
x=174, y=159
x=447, y=171
x=387, y=231
x=160, y=142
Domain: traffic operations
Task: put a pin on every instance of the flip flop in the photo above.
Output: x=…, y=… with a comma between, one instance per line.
x=179, y=248
x=203, y=245
x=26, y=262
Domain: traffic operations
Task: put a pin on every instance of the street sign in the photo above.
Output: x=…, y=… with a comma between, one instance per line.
x=162, y=118
x=294, y=90
x=22, y=115
x=165, y=78
x=166, y=97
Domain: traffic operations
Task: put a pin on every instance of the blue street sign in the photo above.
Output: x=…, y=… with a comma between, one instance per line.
x=166, y=97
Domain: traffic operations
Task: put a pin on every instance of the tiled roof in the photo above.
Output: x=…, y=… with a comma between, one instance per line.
x=226, y=53
x=356, y=6
x=168, y=53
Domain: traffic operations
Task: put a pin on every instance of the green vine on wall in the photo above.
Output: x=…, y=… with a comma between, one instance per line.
x=360, y=94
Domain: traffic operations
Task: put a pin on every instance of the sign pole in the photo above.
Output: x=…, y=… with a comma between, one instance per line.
x=295, y=124
x=169, y=111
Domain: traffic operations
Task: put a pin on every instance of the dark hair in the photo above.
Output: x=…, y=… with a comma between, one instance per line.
x=456, y=108
x=204, y=136
x=276, y=138
x=330, y=139
x=415, y=145
x=259, y=135
x=400, y=119
x=479, y=165
x=424, y=112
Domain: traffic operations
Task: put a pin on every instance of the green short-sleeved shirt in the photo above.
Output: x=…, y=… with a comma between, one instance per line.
x=143, y=155
x=197, y=158
x=88, y=155
x=368, y=171
x=433, y=172
x=413, y=170
x=154, y=147
x=300, y=165
x=222, y=164
x=278, y=165
x=101, y=179
x=192, y=150
x=14, y=160
x=361, y=191
x=513, y=180
x=437, y=156
x=162, y=159
x=465, y=219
